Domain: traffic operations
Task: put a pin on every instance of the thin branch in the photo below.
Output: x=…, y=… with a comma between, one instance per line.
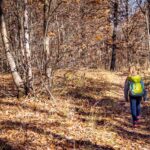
x=139, y=5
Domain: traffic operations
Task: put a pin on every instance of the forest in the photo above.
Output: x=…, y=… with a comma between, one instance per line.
x=74, y=74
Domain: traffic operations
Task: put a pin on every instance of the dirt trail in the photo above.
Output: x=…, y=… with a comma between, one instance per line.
x=88, y=113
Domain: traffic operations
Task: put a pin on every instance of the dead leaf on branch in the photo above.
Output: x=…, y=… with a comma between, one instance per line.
x=51, y=34
x=98, y=37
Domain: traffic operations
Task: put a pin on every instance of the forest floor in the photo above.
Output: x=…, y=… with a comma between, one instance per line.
x=87, y=112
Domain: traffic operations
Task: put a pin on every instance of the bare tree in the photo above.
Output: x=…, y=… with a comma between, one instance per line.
x=48, y=68
x=16, y=77
x=29, y=78
x=114, y=36
x=147, y=14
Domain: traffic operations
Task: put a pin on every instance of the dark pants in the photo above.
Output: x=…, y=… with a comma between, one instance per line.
x=135, y=107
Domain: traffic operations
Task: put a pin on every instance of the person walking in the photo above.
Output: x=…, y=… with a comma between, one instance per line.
x=134, y=91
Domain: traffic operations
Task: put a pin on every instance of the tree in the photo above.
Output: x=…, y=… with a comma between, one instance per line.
x=48, y=67
x=114, y=35
x=16, y=77
x=147, y=14
x=29, y=78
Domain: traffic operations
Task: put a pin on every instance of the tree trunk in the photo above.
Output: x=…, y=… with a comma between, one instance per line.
x=127, y=32
x=29, y=80
x=114, y=36
x=21, y=46
x=21, y=39
x=48, y=68
x=16, y=77
x=147, y=15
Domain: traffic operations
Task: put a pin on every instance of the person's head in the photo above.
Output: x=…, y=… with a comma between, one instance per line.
x=132, y=70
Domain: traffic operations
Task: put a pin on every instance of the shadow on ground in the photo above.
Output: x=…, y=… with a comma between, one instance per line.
x=4, y=145
x=146, y=114
x=60, y=141
x=133, y=134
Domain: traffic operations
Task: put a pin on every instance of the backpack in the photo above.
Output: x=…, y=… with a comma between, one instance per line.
x=136, y=86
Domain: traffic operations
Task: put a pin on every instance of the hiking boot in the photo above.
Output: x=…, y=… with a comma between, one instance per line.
x=135, y=124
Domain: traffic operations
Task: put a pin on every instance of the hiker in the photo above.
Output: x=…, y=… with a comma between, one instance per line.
x=134, y=91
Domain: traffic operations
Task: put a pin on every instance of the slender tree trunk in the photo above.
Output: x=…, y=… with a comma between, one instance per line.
x=127, y=33
x=16, y=77
x=114, y=36
x=21, y=39
x=21, y=46
x=29, y=79
x=48, y=68
x=82, y=31
x=147, y=15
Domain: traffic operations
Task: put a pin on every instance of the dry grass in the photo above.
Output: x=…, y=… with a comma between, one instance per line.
x=88, y=113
